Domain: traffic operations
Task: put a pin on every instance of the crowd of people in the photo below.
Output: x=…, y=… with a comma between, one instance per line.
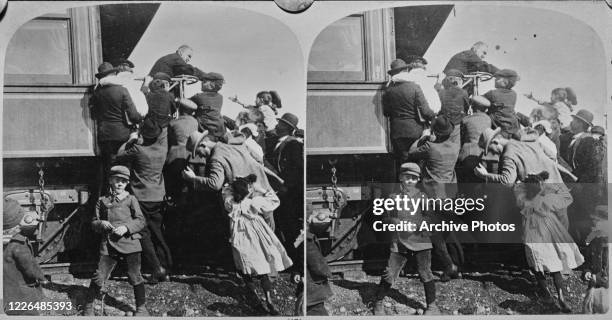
x=167, y=158
x=548, y=167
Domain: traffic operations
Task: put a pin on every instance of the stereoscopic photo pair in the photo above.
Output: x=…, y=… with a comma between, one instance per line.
x=357, y=158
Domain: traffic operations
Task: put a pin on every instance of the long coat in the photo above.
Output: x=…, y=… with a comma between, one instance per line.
x=111, y=103
x=20, y=272
x=147, y=163
x=402, y=102
x=521, y=158
x=125, y=212
x=415, y=241
x=226, y=163
x=472, y=127
x=178, y=132
x=439, y=160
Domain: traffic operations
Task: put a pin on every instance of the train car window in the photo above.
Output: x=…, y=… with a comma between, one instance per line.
x=24, y=61
x=338, y=52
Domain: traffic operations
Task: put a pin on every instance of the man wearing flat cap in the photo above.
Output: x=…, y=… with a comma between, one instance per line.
x=287, y=160
x=407, y=108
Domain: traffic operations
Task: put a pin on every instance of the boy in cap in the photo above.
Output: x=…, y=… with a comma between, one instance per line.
x=455, y=103
x=406, y=244
x=503, y=101
x=22, y=275
x=119, y=219
x=209, y=103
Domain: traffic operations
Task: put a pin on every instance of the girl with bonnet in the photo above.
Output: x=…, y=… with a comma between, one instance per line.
x=549, y=248
x=256, y=250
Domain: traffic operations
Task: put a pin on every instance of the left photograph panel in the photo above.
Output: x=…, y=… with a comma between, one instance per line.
x=152, y=161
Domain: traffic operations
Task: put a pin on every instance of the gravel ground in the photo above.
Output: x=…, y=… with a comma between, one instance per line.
x=206, y=294
x=500, y=292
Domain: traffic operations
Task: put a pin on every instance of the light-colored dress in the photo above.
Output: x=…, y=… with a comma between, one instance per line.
x=548, y=245
x=269, y=117
x=255, y=247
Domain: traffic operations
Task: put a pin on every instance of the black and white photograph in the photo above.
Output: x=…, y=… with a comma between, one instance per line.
x=305, y=158
x=152, y=160
x=498, y=111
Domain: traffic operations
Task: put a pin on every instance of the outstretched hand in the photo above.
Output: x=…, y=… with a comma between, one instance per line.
x=480, y=171
x=188, y=174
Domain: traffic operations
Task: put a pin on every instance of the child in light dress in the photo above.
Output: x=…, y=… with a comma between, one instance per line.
x=256, y=250
x=548, y=245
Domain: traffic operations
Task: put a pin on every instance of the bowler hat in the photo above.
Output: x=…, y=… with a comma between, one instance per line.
x=442, y=126
x=507, y=73
x=161, y=76
x=290, y=119
x=454, y=73
x=150, y=129
x=120, y=171
x=584, y=115
x=485, y=138
x=12, y=215
x=105, y=69
x=410, y=168
x=397, y=65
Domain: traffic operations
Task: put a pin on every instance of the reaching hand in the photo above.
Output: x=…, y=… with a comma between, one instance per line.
x=480, y=171
x=145, y=89
x=106, y=225
x=297, y=278
x=120, y=230
x=529, y=95
x=188, y=174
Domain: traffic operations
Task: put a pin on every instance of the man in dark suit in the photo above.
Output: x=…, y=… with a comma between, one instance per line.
x=472, y=60
x=408, y=111
x=288, y=160
x=173, y=64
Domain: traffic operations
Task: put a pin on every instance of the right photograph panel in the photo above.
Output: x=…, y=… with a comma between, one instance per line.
x=457, y=163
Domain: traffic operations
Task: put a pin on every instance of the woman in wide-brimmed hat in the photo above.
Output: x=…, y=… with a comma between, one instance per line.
x=407, y=108
x=114, y=111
